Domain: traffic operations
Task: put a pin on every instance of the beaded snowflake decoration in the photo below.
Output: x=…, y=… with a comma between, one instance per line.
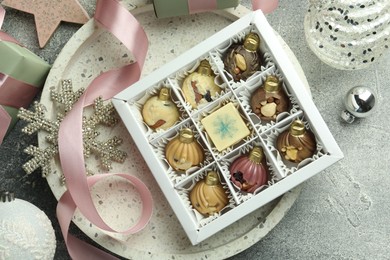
x=64, y=99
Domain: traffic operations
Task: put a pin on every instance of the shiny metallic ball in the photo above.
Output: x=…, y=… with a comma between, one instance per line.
x=359, y=102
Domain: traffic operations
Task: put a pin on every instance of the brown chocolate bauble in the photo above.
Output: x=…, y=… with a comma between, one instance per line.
x=296, y=143
x=269, y=100
x=243, y=60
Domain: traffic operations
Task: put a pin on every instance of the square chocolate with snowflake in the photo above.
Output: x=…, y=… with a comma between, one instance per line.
x=225, y=127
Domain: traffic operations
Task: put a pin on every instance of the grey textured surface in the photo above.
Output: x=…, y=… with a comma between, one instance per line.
x=342, y=213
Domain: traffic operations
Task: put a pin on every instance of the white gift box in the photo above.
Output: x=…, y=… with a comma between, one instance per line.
x=284, y=175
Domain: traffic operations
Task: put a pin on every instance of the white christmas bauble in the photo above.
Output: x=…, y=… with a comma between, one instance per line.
x=25, y=231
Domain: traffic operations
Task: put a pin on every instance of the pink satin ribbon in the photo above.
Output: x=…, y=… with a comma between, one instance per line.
x=66, y=207
x=114, y=17
x=3, y=36
x=13, y=92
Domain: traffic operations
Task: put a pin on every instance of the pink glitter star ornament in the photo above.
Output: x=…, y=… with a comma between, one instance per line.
x=49, y=13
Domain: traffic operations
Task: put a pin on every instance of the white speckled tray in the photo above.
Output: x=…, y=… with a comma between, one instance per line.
x=81, y=60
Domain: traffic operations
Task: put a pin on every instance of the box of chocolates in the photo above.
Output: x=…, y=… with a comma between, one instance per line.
x=227, y=127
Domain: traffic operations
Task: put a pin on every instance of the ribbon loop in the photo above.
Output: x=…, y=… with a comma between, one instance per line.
x=116, y=19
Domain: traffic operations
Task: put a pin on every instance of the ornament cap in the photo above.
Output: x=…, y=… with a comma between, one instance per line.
x=205, y=68
x=212, y=178
x=256, y=155
x=186, y=136
x=164, y=94
x=297, y=128
x=7, y=196
x=252, y=42
x=347, y=117
x=271, y=84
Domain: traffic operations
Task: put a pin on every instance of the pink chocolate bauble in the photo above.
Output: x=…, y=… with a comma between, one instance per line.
x=248, y=172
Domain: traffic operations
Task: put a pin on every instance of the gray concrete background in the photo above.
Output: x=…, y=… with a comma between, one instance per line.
x=342, y=213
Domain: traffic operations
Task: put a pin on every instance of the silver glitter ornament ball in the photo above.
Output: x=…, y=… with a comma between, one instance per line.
x=359, y=102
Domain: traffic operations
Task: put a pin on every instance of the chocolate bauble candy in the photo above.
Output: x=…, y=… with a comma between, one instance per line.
x=159, y=112
x=184, y=152
x=248, y=172
x=296, y=143
x=243, y=60
x=269, y=100
x=199, y=87
x=208, y=195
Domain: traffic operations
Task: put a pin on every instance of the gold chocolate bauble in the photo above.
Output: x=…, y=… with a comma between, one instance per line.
x=199, y=87
x=269, y=100
x=243, y=60
x=297, y=143
x=208, y=195
x=159, y=112
x=184, y=152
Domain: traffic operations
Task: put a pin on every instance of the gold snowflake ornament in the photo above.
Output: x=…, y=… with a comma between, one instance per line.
x=103, y=114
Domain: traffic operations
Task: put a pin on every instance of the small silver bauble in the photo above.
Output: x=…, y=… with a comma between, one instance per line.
x=359, y=102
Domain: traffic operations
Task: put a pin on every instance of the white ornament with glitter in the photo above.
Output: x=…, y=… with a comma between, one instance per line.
x=348, y=34
x=25, y=231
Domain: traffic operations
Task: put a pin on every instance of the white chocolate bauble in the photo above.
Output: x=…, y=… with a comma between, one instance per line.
x=25, y=232
x=155, y=111
x=199, y=89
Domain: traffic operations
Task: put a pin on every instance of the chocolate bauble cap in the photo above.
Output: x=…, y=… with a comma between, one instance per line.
x=271, y=84
x=212, y=178
x=205, y=68
x=164, y=94
x=297, y=128
x=186, y=136
x=252, y=42
x=256, y=155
